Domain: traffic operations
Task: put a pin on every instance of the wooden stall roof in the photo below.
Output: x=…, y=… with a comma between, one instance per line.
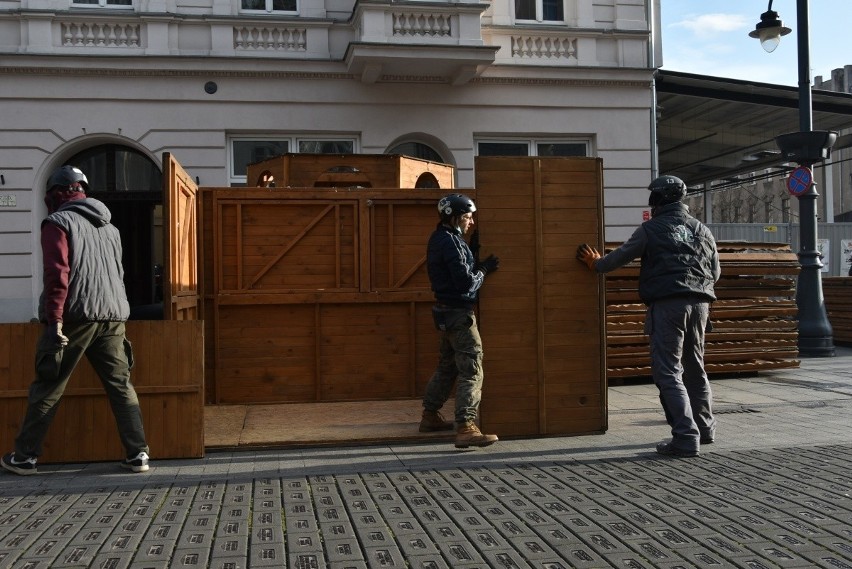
x=395, y=171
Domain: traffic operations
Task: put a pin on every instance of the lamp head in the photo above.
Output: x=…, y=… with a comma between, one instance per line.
x=769, y=30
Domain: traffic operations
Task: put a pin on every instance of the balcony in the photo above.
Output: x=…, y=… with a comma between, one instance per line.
x=424, y=40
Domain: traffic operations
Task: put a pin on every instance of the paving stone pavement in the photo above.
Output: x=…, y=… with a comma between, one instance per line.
x=774, y=491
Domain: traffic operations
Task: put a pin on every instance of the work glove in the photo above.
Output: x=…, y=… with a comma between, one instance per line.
x=54, y=332
x=490, y=264
x=588, y=255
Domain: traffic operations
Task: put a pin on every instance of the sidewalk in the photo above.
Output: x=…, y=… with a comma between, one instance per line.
x=775, y=490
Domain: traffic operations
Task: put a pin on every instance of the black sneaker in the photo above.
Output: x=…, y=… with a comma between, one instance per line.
x=138, y=463
x=707, y=440
x=23, y=467
x=666, y=448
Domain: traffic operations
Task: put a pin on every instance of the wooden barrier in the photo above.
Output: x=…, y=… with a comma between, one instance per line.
x=542, y=311
x=838, y=303
x=315, y=295
x=754, y=320
x=167, y=376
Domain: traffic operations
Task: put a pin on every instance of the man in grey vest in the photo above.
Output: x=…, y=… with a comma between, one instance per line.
x=680, y=265
x=84, y=307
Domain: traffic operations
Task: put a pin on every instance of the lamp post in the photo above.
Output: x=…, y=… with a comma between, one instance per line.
x=806, y=147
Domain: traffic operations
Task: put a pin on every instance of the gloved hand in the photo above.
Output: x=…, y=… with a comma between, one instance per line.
x=490, y=264
x=588, y=255
x=54, y=332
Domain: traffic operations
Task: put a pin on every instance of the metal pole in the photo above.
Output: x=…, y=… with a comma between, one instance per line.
x=815, y=333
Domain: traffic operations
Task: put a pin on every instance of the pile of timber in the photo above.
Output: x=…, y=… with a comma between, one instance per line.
x=838, y=304
x=754, y=319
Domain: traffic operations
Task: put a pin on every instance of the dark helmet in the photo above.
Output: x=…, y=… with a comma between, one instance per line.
x=455, y=204
x=67, y=175
x=666, y=190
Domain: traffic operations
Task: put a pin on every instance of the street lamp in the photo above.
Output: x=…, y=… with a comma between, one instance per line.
x=806, y=147
x=769, y=30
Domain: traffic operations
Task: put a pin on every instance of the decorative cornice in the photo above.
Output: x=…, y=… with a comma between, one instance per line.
x=318, y=75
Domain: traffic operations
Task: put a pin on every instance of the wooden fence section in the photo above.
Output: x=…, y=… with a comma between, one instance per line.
x=838, y=303
x=167, y=376
x=316, y=295
x=754, y=321
x=541, y=313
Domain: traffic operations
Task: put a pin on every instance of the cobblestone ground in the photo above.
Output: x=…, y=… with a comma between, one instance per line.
x=752, y=509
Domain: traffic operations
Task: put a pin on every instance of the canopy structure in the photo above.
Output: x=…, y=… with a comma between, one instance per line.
x=713, y=128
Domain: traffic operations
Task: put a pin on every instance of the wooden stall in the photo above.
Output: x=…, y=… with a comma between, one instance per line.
x=321, y=295
x=350, y=170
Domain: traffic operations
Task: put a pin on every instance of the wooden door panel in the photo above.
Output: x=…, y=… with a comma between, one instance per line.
x=181, y=256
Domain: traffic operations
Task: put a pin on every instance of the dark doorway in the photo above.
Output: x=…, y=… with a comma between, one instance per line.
x=130, y=184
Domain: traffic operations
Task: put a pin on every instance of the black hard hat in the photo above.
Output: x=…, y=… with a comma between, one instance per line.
x=667, y=189
x=66, y=176
x=455, y=204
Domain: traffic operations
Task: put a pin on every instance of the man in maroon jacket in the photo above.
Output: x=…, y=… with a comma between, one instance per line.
x=84, y=307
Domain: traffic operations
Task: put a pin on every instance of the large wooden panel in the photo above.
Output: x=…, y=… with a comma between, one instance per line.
x=167, y=376
x=318, y=294
x=541, y=314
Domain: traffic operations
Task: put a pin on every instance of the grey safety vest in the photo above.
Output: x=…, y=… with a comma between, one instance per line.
x=678, y=257
x=95, y=282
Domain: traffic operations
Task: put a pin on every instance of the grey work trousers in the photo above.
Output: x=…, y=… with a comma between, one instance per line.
x=459, y=364
x=110, y=353
x=676, y=327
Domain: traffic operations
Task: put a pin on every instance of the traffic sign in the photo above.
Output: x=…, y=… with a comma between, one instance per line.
x=800, y=180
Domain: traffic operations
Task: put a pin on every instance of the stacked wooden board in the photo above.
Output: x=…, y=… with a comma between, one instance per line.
x=838, y=303
x=754, y=324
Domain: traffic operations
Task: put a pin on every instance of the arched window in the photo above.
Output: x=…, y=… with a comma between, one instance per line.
x=116, y=168
x=417, y=150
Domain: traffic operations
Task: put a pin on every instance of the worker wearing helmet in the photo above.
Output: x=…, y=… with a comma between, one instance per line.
x=456, y=279
x=83, y=307
x=679, y=267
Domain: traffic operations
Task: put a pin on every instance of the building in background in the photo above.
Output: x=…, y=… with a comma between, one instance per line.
x=109, y=85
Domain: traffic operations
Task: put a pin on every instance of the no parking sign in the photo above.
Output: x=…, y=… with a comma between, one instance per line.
x=800, y=180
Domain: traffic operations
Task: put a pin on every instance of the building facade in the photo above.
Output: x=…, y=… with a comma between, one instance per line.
x=109, y=85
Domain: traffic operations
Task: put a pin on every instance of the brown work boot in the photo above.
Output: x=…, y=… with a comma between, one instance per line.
x=434, y=421
x=469, y=435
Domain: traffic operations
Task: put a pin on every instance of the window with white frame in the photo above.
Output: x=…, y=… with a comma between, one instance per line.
x=269, y=6
x=532, y=147
x=540, y=10
x=103, y=3
x=245, y=150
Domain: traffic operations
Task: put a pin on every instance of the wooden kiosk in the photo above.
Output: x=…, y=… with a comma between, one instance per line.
x=319, y=294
